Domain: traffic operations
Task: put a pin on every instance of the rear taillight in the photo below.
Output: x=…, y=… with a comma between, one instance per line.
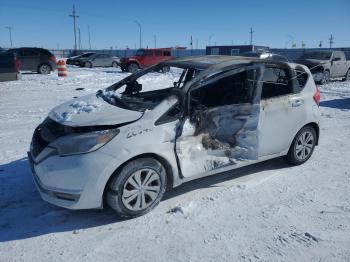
x=53, y=58
x=17, y=64
x=317, y=96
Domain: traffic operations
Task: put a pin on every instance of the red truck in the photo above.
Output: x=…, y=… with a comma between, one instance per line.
x=145, y=58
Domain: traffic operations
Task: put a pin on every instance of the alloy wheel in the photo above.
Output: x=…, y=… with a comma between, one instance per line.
x=141, y=189
x=305, y=145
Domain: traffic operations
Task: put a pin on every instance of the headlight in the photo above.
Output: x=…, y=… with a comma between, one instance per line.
x=83, y=142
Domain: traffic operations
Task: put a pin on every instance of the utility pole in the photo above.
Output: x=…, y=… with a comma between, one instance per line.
x=251, y=32
x=331, y=42
x=191, y=46
x=139, y=25
x=10, y=33
x=210, y=37
x=89, y=37
x=79, y=38
x=155, y=41
x=74, y=16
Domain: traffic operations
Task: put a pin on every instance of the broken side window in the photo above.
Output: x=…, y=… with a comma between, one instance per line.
x=233, y=89
x=276, y=82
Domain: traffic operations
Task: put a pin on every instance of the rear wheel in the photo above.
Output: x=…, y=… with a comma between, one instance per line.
x=137, y=188
x=302, y=146
x=133, y=67
x=165, y=69
x=44, y=69
x=88, y=64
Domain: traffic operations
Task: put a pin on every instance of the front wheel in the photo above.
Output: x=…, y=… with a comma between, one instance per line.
x=114, y=64
x=347, y=76
x=302, y=146
x=325, y=78
x=137, y=188
x=133, y=67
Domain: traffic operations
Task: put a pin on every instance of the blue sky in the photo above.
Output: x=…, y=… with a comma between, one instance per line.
x=276, y=23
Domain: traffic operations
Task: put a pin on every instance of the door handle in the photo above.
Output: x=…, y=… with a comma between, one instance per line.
x=297, y=102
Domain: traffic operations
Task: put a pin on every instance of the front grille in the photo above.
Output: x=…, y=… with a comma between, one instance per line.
x=38, y=144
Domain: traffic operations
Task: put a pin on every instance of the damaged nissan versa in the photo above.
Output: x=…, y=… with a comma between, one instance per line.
x=127, y=144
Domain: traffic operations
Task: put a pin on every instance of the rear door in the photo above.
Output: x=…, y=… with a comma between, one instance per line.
x=282, y=112
x=221, y=128
x=106, y=60
x=29, y=58
x=98, y=60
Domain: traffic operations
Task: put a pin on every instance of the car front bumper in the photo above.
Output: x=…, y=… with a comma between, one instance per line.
x=73, y=182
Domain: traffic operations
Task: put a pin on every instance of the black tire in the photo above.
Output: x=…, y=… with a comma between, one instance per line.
x=118, y=195
x=295, y=155
x=115, y=64
x=347, y=76
x=166, y=69
x=133, y=67
x=44, y=69
x=88, y=64
x=326, y=77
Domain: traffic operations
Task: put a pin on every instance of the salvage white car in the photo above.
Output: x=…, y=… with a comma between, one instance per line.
x=126, y=145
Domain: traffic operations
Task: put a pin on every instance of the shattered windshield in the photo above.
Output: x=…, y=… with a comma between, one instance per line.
x=317, y=55
x=146, y=89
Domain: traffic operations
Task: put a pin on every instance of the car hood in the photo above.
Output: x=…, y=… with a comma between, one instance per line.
x=310, y=61
x=91, y=110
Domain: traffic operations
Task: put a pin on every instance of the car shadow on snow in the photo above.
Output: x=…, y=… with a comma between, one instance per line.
x=341, y=103
x=24, y=215
x=214, y=180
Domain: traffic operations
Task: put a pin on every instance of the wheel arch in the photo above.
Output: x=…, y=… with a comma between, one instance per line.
x=134, y=62
x=162, y=160
x=44, y=63
x=314, y=126
x=317, y=129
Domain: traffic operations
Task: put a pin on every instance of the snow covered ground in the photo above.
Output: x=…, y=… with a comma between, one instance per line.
x=266, y=212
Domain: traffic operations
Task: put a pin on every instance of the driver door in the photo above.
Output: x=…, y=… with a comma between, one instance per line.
x=221, y=129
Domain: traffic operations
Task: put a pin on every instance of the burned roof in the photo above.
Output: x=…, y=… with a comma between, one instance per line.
x=204, y=62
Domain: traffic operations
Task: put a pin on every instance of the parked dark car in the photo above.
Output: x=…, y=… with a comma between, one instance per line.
x=34, y=59
x=96, y=60
x=74, y=60
x=268, y=56
x=326, y=65
x=9, y=67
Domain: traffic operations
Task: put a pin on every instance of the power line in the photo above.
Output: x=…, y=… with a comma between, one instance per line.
x=10, y=33
x=74, y=16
